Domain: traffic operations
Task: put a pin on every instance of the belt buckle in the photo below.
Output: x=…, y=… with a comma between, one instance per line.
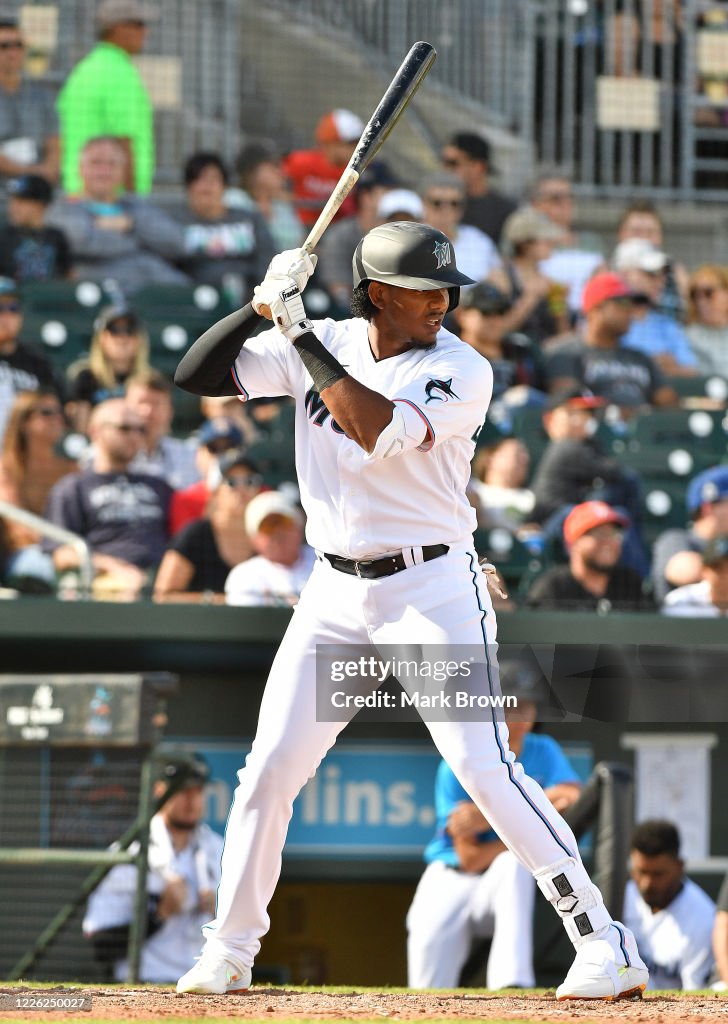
x=357, y=564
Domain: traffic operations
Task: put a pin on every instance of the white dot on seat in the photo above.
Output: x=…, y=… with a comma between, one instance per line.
x=174, y=337
x=700, y=424
x=54, y=333
x=658, y=503
x=88, y=293
x=501, y=541
x=205, y=296
x=680, y=461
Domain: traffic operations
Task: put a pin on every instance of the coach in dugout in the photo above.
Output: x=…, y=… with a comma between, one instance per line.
x=184, y=871
x=473, y=887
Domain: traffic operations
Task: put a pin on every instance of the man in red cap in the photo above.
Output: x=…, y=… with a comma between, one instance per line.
x=596, y=359
x=593, y=579
x=314, y=172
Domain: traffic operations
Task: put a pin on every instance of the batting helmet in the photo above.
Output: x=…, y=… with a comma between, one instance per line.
x=409, y=255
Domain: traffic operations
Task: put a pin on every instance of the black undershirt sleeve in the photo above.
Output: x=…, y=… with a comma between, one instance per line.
x=205, y=368
x=324, y=368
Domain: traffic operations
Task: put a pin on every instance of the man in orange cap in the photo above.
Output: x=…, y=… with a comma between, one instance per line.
x=593, y=579
x=314, y=172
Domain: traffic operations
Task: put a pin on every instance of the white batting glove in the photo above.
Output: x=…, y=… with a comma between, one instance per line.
x=294, y=263
x=283, y=299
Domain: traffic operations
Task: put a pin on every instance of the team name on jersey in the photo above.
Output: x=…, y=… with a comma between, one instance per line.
x=318, y=413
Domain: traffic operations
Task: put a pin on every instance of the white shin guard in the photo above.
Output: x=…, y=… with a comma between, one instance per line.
x=576, y=899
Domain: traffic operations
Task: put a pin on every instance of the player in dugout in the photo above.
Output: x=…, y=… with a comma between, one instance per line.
x=388, y=404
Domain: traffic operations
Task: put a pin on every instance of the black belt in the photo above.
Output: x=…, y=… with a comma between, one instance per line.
x=377, y=568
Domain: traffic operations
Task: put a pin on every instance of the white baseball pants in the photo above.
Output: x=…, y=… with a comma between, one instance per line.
x=451, y=908
x=441, y=602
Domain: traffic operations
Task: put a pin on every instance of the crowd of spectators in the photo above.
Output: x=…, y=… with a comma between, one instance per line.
x=588, y=336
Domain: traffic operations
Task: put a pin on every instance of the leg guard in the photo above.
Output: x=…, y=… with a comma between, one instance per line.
x=576, y=899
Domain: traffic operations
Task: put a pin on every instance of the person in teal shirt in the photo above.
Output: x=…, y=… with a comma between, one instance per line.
x=473, y=886
x=104, y=95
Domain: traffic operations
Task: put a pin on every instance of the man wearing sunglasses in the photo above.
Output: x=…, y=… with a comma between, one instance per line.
x=28, y=120
x=444, y=198
x=122, y=515
x=22, y=367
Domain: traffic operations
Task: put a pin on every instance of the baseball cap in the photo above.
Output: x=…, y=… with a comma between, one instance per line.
x=486, y=298
x=339, y=126
x=586, y=516
x=236, y=457
x=8, y=286
x=184, y=769
x=267, y=504
x=529, y=225
x=30, y=186
x=220, y=429
x=639, y=254
x=707, y=487
x=116, y=12
x=117, y=311
x=575, y=397
x=716, y=550
x=601, y=288
x=400, y=200
x=377, y=175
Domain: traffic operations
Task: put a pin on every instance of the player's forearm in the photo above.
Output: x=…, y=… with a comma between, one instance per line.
x=205, y=368
x=360, y=412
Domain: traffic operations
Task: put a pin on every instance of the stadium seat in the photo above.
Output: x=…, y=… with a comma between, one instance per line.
x=63, y=338
x=59, y=297
x=187, y=415
x=275, y=460
x=663, y=508
x=701, y=386
x=515, y=562
x=155, y=301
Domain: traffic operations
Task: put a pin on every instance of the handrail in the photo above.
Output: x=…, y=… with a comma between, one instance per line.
x=53, y=532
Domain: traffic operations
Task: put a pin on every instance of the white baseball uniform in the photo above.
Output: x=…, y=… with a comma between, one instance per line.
x=675, y=943
x=362, y=506
x=172, y=949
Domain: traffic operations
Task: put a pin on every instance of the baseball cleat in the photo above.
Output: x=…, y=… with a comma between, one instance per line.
x=608, y=968
x=215, y=975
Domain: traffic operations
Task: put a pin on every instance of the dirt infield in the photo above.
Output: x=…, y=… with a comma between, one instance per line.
x=321, y=1004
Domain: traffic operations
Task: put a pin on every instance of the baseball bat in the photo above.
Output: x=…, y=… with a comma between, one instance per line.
x=400, y=91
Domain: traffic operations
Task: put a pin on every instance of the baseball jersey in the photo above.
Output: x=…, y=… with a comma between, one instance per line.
x=675, y=943
x=363, y=507
x=542, y=759
x=172, y=949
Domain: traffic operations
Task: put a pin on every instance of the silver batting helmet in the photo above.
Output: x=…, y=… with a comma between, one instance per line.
x=409, y=255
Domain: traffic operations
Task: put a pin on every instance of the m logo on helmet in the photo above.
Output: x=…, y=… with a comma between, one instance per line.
x=443, y=254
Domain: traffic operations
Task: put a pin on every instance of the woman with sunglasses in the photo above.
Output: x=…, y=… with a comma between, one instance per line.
x=119, y=350
x=708, y=318
x=29, y=467
x=199, y=558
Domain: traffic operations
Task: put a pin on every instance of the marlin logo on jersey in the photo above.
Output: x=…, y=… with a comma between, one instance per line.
x=443, y=254
x=444, y=386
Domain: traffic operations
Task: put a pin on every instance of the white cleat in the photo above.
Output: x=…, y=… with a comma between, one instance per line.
x=215, y=975
x=608, y=968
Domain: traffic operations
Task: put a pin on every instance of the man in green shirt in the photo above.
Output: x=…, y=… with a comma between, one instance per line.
x=105, y=95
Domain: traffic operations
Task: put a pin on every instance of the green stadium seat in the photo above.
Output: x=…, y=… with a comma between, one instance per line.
x=62, y=338
x=701, y=386
x=663, y=508
x=275, y=459
x=515, y=562
x=59, y=297
x=156, y=301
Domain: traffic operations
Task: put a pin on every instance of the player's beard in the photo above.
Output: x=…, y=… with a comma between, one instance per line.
x=414, y=343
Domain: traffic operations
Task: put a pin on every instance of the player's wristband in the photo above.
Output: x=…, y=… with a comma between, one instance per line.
x=297, y=329
x=324, y=368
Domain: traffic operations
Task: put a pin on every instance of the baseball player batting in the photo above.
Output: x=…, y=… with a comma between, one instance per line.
x=382, y=473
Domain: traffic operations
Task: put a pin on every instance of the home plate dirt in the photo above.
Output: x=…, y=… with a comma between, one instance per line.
x=279, y=1003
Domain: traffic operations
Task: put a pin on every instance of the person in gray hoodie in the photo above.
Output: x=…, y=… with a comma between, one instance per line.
x=116, y=235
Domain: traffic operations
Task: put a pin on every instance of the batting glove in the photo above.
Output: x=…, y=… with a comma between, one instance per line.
x=283, y=298
x=294, y=263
